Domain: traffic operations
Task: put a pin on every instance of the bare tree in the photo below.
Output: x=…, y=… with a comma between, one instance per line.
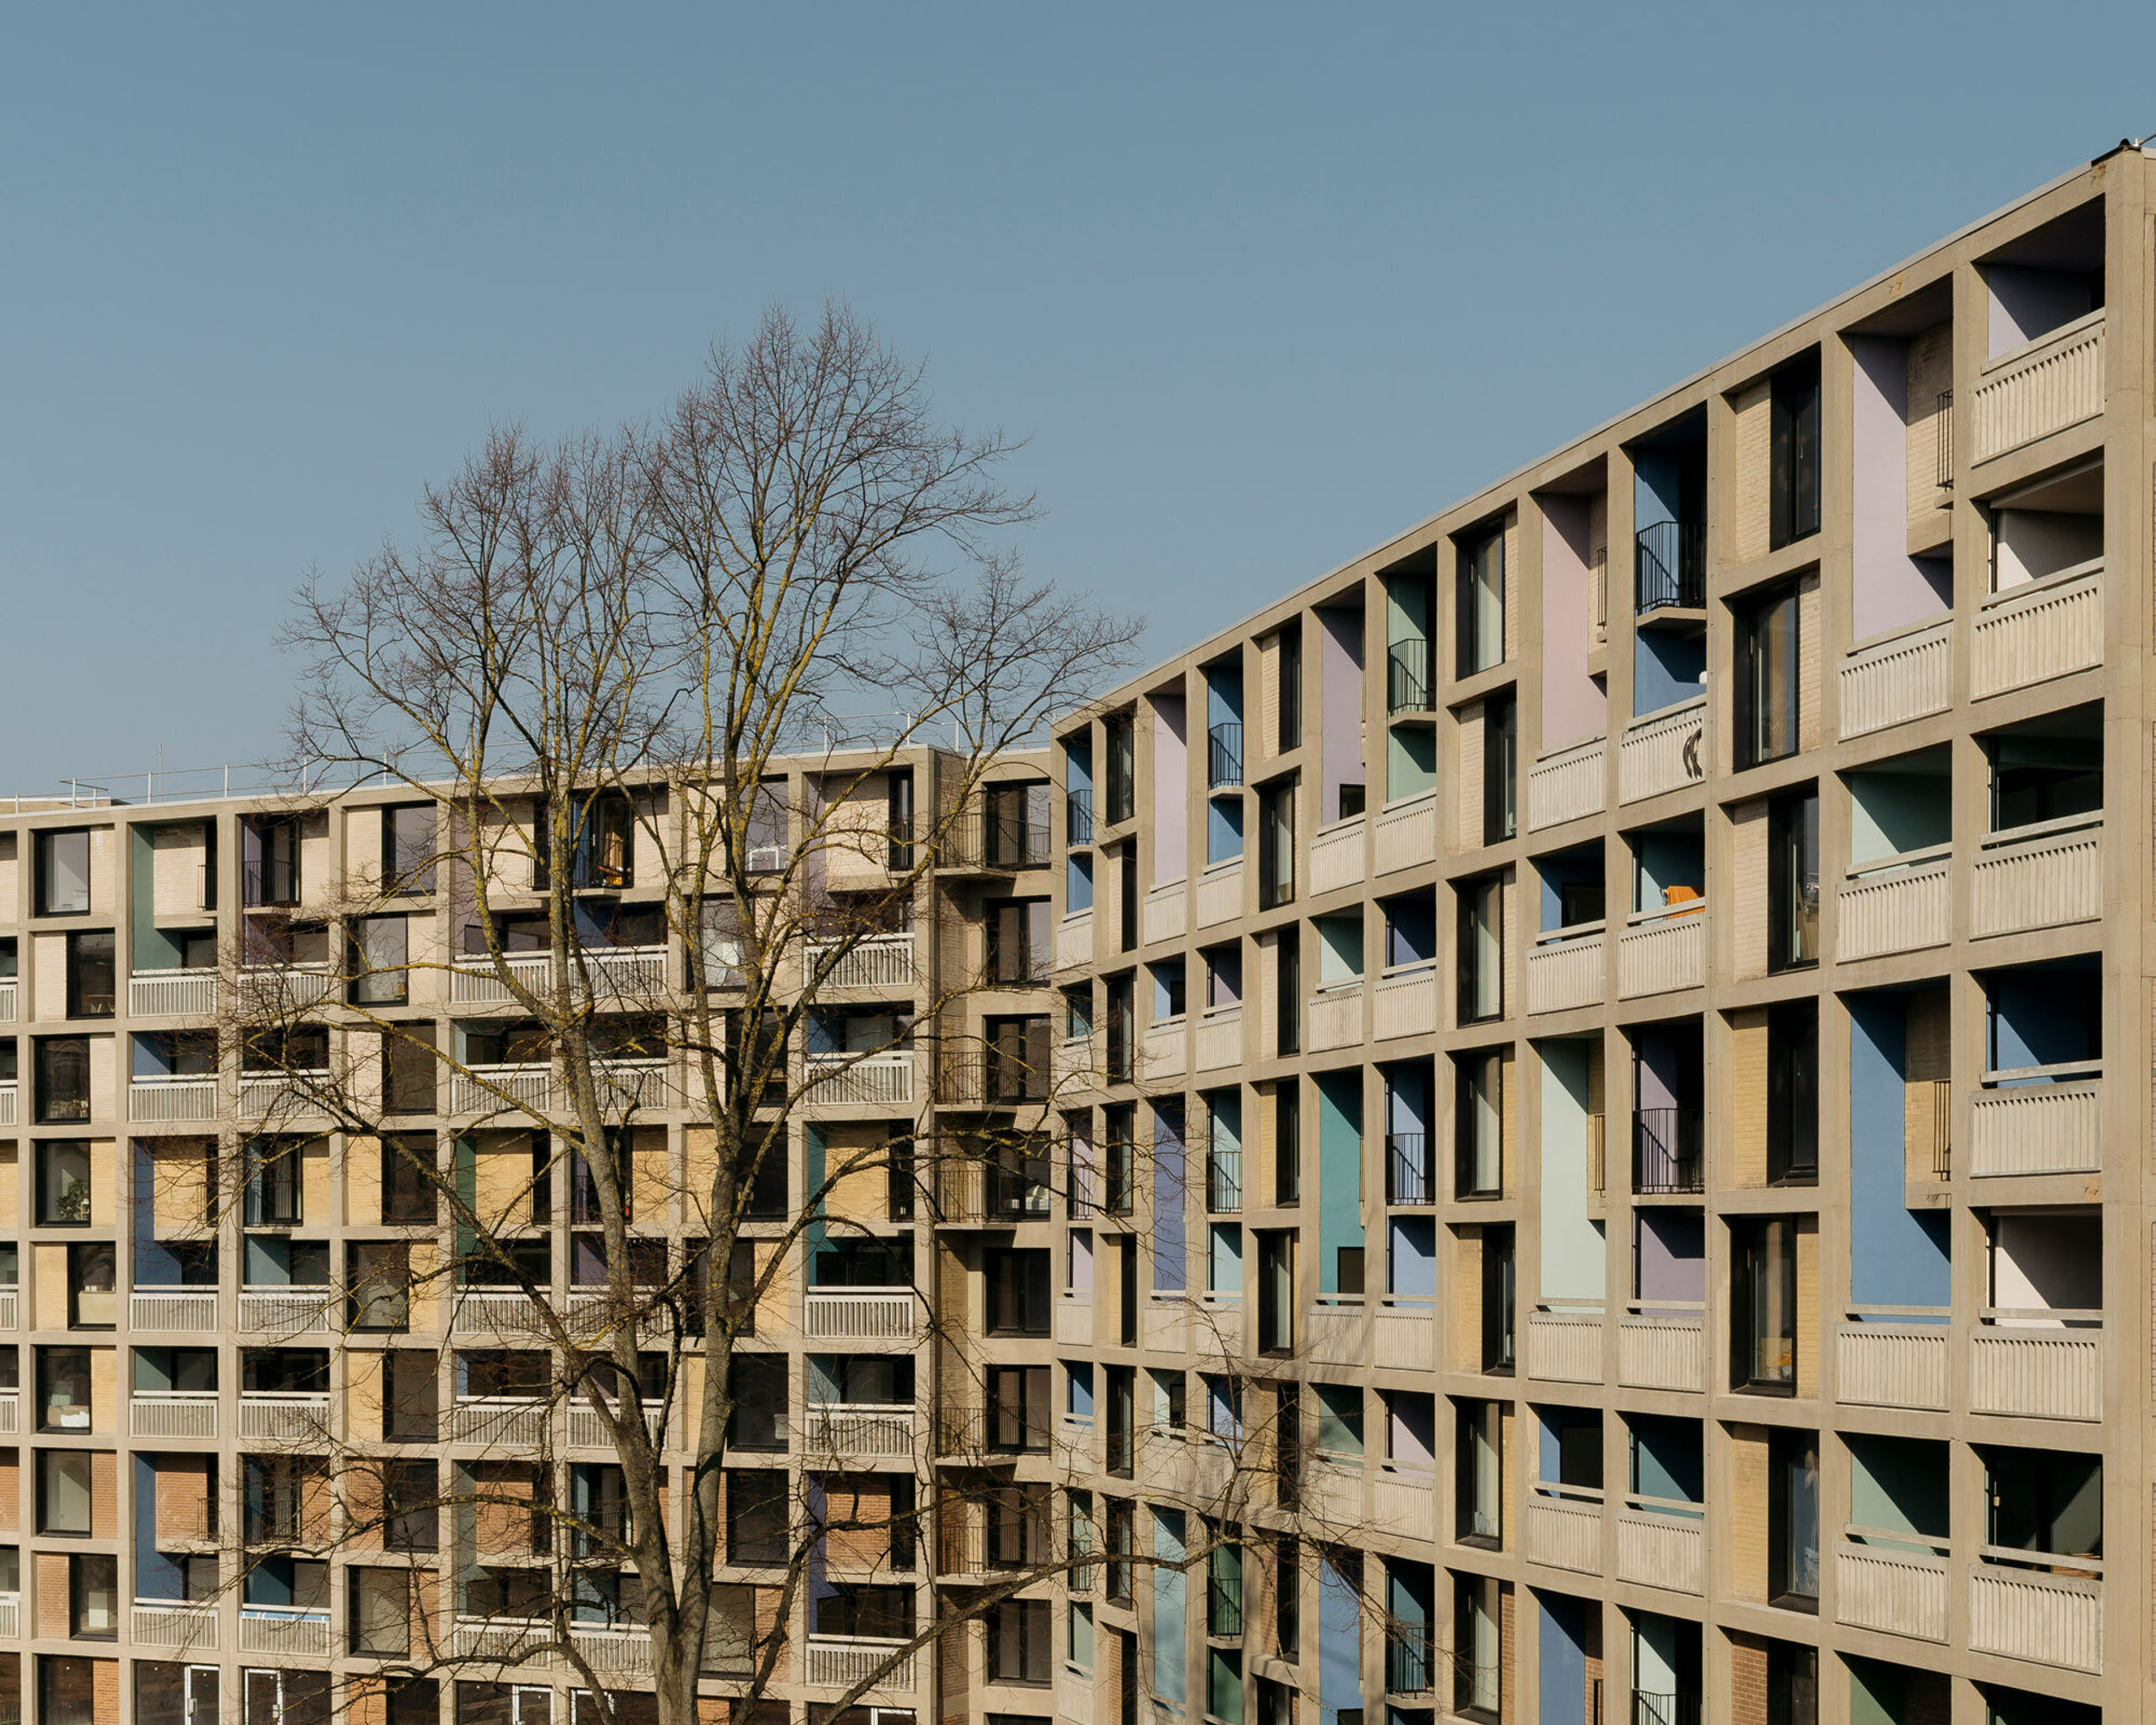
x=620, y=669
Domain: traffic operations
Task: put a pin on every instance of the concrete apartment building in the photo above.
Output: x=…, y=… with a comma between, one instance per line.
x=1633, y=995
x=1590, y=1048
x=173, y=1353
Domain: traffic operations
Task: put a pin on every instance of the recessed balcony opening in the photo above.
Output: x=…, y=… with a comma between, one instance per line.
x=1902, y=441
x=1665, y=1670
x=2004, y=1706
x=2048, y=1502
x=1576, y=602
x=2043, y=1267
x=1901, y=823
x=1667, y=1121
x=2044, y=280
x=1573, y=889
x=2051, y=529
x=1410, y=1143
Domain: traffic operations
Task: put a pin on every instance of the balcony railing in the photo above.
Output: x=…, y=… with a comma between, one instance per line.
x=1407, y=677
x=173, y=993
x=832, y=1662
x=1880, y=1363
x=173, y=1414
x=1665, y=1151
x=174, y=1624
x=1224, y=1180
x=1078, y=816
x=1408, y=1182
x=1670, y=566
x=287, y=1311
x=884, y=1079
x=180, y=1310
x=9, y=1104
x=506, y=1421
x=1336, y=1017
x=1896, y=905
x=1900, y=678
x=2038, y=1120
x=1564, y=1341
x=1564, y=1528
x=1336, y=856
x=2039, y=1364
x=2044, y=387
x=1662, y=1344
x=163, y=1097
x=10, y=1412
x=874, y=1314
x=1224, y=756
x=1564, y=970
x=6, y=1000
x=866, y=1431
x=301, y=1419
x=1410, y=1663
x=1884, y=1585
x=875, y=961
x=1662, y=1542
x=1653, y=1707
x=303, y=1634
x=1404, y=835
x=1219, y=1041
x=2044, y=1609
x=2039, y=876
x=1566, y=785
x=1662, y=751
x=1662, y=950
x=1404, y=1002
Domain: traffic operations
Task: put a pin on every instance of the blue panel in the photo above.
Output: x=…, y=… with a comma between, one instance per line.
x=1414, y=1258
x=1170, y=1651
x=1339, y=1642
x=1078, y=882
x=1666, y=1457
x=1081, y=1389
x=1656, y=487
x=1224, y=697
x=1665, y=668
x=155, y=1266
x=1897, y=1257
x=1224, y=829
x=1563, y=1664
x=1078, y=766
x=1408, y=1096
x=156, y=1575
x=2042, y=1017
x=1170, y=1273
x=1339, y=1173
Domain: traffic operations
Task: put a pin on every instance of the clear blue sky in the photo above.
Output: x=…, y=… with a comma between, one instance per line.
x=1260, y=286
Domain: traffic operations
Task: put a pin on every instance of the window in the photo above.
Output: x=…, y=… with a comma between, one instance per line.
x=1275, y=1291
x=1480, y=588
x=1019, y=1299
x=1793, y=1520
x=93, y=1598
x=408, y=1070
x=1766, y=696
x=92, y=1303
x=1289, y=734
x=1287, y=990
x=1121, y=785
x=758, y=1384
x=1119, y=1544
x=1762, y=1327
x=67, y=1691
x=1793, y=1094
x=408, y=1181
x=1793, y=1684
x=1017, y=825
x=284, y=1698
x=1482, y=949
x=1288, y=1596
x=1021, y=1642
x=63, y=1080
x=269, y=860
x=1796, y=453
x=63, y=1489
x=380, y=953
x=1499, y=1295
x=90, y=969
x=63, y=1185
x=1793, y=881
x=408, y=849
x=1126, y=896
x=381, y=1285
x=63, y=873
x=1288, y=1143
x=1479, y=1460
x=1018, y=1408
x=1276, y=843
x=756, y=1519
x=1020, y=943
x=409, y=1406
x=273, y=1185
x=1477, y=1674
x=163, y=1695
x=1500, y=738
x=1478, y=1130
x=1019, y=1067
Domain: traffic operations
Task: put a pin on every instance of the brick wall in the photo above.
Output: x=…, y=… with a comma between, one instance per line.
x=1747, y=1680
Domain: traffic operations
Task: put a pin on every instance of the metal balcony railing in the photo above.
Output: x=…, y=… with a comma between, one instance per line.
x=1408, y=1662
x=1224, y=1181
x=1407, y=1181
x=1407, y=677
x=1670, y=566
x=1224, y=756
x=1649, y=1708
x=1665, y=1151
x=1078, y=816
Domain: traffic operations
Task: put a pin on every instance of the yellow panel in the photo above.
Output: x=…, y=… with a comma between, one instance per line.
x=650, y=1175
x=48, y=1292
x=314, y=1181
x=104, y=1405
x=362, y=1182
x=1748, y=1517
x=1748, y=1109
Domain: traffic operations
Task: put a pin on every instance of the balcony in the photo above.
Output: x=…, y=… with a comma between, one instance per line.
x=1666, y=1158
x=1569, y=785
x=1163, y=1051
x=1565, y=1342
x=2044, y=387
x=285, y=1312
x=296, y=1419
x=1078, y=817
x=833, y=1662
x=584, y=1429
x=613, y=1653
x=173, y=993
x=1074, y=941
x=278, y=1095
x=158, y=1099
x=1662, y=1542
x=2049, y=1612
x=861, y=1315
x=1670, y=567
x=858, y=1432
x=1224, y=756
x=9, y=1104
x=1074, y=1320
x=174, y=1624
x=880, y=962
x=6, y=1000
x=1896, y=905
x=880, y=1080
x=2038, y=1364
x=1405, y=1502
x=1565, y=1530
x=2038, y=1120
x=1664, y=751
x=173, y=1414
x=1404, y=1002
x=989, y=1193
x=1220, y=894
x=1901, y=1592
x=1565, y=970
x=1661, y=950
x=274, y=989
x=1888, y=1364
x=8, y=1304
x=10, y=1412
x=1164, y=913
x=1224, y=1180
x=1404, y=1334
x=298, y=1634
x=1892, y=682
x=1336, y=856
x=1407, y=685
x=1336, y=1017
x=1220, y=1040
x=1404, y=835
x=2038, y=877
x=1337, y=1331
x=180, y=1310
x=1662, y=1346
x=502, y=1089
x=503, y=1640
x=503, y=1422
